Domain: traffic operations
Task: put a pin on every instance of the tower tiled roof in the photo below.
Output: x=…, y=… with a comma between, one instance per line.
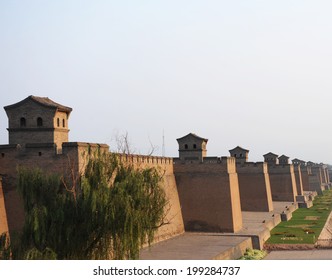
x=193, y=135
x=45, y=101
x=283, y=157
x=270, y=154
x=239, y=148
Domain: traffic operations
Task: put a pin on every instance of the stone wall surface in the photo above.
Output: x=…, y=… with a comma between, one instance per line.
x=173, y=215
x=254, y=185
x=305, y=173
x=209, y=196
x=73, y=157
x=315, y=180
x=283, y=183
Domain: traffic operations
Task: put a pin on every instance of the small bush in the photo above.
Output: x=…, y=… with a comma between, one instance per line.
x=253, y=254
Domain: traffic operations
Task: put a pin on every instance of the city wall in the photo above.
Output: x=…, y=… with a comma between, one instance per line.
x=305, y=173
x=74, y=158
x=39, y=155
x=283, y=183
x=315, y=180
x=173, y=220
x=254, y=185
x=209, y=194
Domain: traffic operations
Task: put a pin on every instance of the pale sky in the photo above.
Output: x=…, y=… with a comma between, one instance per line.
x=251, y=73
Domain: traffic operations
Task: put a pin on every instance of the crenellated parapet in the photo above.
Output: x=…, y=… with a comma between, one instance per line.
x=252, y=167
x=209, y=164
x=144, y=159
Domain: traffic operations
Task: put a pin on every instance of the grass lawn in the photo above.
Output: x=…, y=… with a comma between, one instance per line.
x=305, y=225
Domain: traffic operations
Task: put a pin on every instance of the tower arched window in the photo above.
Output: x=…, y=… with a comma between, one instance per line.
x=194, y=146
x=39, y=121
x=186, y=146
x=23, y=122
x=58, y=122
x=63, y=123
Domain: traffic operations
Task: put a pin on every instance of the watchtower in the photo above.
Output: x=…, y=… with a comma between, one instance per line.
x=297, y=161
x=240, y=154
x=283, y=160
x=192, y=147
x=37, y=120
x=271, y=158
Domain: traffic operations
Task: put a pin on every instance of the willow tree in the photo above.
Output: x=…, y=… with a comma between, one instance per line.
x=4, y=247
x=110, y=212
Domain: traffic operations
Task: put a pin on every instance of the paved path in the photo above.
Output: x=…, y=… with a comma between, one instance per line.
x=207, y=246
x=196, y=246
x=300, y=255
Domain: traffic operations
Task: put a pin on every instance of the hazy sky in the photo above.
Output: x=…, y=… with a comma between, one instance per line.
x=250, y=73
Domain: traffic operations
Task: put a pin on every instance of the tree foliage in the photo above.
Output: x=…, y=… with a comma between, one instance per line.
x=4, y=247
x=110, y=212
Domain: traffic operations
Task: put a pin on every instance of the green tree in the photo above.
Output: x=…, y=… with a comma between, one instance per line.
x=4, y=247
x=109, y=212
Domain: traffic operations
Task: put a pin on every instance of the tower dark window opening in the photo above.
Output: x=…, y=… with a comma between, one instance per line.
x=186, y=146
x=63, y=123
x=58, y=122
x=23, y=122
x=39, y=122
x=194, y=146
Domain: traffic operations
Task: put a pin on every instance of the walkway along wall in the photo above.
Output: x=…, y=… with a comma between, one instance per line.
x=254, y=185
x=209, y=194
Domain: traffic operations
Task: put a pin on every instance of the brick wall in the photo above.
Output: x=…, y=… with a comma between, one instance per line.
x=44, y=156
x=305, y=172
x=173, y=219
x=209, y=195
x=255, y=189
x=315, y=179
x=283, y=183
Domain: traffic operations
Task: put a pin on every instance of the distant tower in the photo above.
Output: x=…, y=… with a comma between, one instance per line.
x=271, y=158
x=240, y=154
x=283, y=160
x=192, y=147
x=38, y=120
x=297, y=161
